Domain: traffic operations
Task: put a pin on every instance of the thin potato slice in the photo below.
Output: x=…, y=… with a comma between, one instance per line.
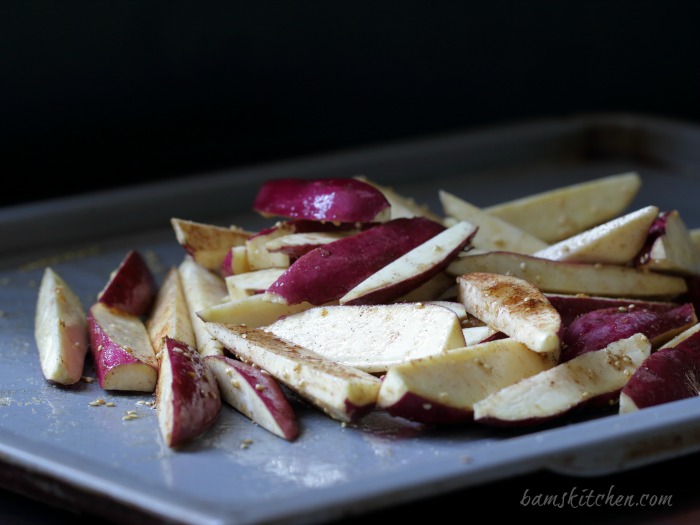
x=560, y=213
x=494, y=233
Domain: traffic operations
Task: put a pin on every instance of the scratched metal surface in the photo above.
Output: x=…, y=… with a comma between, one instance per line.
x=57, y=445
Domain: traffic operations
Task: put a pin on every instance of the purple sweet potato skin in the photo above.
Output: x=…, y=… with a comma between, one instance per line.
x=272, y=394
x=396, y=290
x=328, y=272
x=197, y=403
x=333, y=199
x=669, y=374
x=422, y=410
x=572, y=306
x=598, y=328
x=106, y=354
x=132, y=288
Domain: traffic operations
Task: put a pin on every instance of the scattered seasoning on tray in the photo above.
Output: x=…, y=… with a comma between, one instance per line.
x=60, y=258
x=130, y=414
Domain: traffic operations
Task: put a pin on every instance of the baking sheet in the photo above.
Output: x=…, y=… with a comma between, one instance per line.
x=56, y=444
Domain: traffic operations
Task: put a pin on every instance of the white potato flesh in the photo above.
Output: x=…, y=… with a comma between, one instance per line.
x=617, y=241
x=170, y=315
x=476, y=334
x=202, y=289
x=305, y=239
x=342, y=392
x=494, y=233
x=260, y=257
x=60, y=330
x=246, y=284
x=559, y=389
x=253, y=311
x=513, y=306
x=239, y=260
x=562, y=212
x=455, y=306
x=372, y=337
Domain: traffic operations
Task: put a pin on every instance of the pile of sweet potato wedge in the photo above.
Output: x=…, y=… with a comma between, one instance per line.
x=357, y=298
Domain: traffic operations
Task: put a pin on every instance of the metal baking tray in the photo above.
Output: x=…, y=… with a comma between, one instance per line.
x=55, y=445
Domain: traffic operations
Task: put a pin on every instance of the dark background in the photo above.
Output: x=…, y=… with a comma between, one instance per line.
x=101, y=94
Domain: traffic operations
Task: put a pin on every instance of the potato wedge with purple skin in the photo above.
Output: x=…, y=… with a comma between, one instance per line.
x=607, y=280
x=131, y=287
x=122, y=351
x=571, y=306
x=342, y=392
x=208, y=244
x=60, y=330
x=327, y=273
x=555, y=392
x=670, y=247
x=441, y=389
x=413, y=268
x=598, y=328
x=255, y=394
x=235, y=262
x=669, y=374
x=332, y=199
x=187, y=397
x=685, y=334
